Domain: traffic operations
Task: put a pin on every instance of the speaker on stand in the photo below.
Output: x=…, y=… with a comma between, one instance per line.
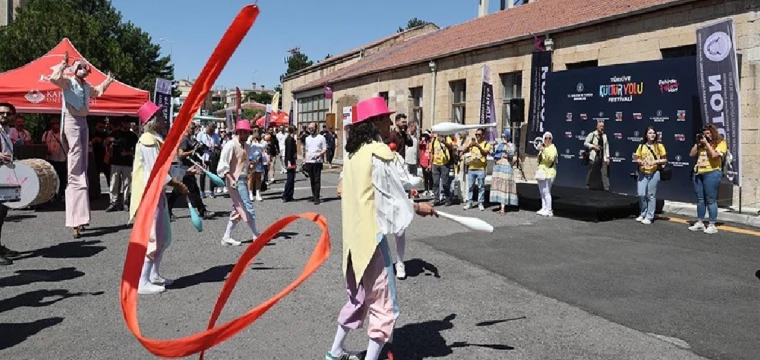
x=516, y=118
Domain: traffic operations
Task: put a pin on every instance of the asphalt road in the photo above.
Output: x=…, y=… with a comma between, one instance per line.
x=535, y=289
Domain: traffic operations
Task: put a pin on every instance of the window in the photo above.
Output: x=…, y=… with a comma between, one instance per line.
x=512, y=85
x=384, y=95
x=582, y=64
x=681, y=51
x=458, y=100
x=312, y=109
x=417, y=105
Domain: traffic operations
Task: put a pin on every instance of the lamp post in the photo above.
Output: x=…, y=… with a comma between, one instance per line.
x=171, y=46
x=432, y=66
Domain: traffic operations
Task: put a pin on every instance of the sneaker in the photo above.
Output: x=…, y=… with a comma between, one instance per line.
x=346, y=355
x=400, y=270
x=150, y=289
x=549, y=213
x=259, y=198
x=481, y=207
x=638, y=219
x=541, y=212
x=698, y=226
x=230, y=241
x=711, y=229
x=646, y=221
x=161, y=281
x=467, y=206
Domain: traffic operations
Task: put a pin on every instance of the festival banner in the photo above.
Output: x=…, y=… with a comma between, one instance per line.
x=230, y=120
x=328, y=92
x=487, y=108
x=267, y=116
x=541, y=66
x=290, y=114
x=163, y=97
x=238, y=104
x=628, y=98
x=718, y=73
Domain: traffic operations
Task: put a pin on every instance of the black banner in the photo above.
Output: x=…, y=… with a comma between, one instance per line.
x=487, y=106
x=541, y=66
x=163, y=98
x=719, y=89
x=628, y=98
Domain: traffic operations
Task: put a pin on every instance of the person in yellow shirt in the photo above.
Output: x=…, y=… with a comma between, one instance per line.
x=651, y=157
x=477, y=151
x=441, y=150
x=546, y=172
x=709, y=151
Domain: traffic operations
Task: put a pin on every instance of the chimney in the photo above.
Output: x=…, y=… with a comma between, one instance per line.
x=483, y=8
x=262, y=87
x=503, y=5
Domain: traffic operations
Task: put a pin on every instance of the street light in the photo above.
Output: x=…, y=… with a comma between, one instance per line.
x=171, y=45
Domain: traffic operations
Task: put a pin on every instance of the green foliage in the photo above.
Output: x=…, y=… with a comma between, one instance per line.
x=259, y=97
x=296, y=62
x=251, y=114
x=413, y=23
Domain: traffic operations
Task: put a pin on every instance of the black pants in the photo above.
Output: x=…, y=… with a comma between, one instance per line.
x=315, y=177
x=427, y=177
x=193, y=194
x=290, y=184
x=3, y=215
x=330, y=154
x=62, y=171
x=441, y=180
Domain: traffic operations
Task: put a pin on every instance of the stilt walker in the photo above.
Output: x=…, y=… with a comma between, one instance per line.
x=76, y=96
x=234, y=168
x=374, y=205
x=146, y=153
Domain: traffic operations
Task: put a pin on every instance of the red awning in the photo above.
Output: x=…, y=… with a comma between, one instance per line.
x=275, y=119
x=29, y=89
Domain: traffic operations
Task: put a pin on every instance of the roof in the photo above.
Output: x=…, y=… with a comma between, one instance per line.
x=510, y=25
x=353, y=52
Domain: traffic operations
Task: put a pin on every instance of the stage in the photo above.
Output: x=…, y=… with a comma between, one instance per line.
x=581, y=203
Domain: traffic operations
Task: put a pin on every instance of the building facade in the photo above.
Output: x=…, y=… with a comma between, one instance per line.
x=438, y=82
x=8, y=12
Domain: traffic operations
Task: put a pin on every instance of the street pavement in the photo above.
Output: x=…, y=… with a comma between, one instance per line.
x=534, y=289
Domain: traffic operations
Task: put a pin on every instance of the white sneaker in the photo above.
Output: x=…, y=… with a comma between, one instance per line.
x=638, y=219
x=400, y=270
x=481, y=207
x=541, y=212
x=467, y=206
x=646, y=221
x=711, y=229
x=258, y=198
x=346, y=355
x=231, y=241
x=150, y=289
x=225, y=190
x=698, y=226
x=549, y=213
x=161, y=281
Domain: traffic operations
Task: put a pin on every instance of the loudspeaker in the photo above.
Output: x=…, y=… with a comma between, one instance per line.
x=517, y=110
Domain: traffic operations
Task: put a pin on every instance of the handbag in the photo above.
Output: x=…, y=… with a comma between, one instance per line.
x=666, y=172
x=540, y=175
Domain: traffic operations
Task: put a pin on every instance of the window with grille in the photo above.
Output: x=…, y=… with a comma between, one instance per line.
x=458, y=100
x=417, y=104
x=313, y=109
x=511, y=89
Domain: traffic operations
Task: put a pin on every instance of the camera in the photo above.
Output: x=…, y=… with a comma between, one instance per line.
x=700, y=136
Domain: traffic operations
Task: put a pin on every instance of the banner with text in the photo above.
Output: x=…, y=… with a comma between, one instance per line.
x=163, y=98
x=487, y=107
x=719, y=89
x=628, y=98
x=541, y=66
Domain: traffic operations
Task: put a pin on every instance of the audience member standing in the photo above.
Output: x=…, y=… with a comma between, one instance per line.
x=599, y=159
x=121, y=149
x=412, y=155
x=210, y=156
x=290, y=162
x=315, y=149
x=56, y=154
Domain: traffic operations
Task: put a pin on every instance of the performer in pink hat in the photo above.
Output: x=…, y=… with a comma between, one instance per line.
x=146, y=153
x=234, y=167
x=76, y=95
x=375, y=206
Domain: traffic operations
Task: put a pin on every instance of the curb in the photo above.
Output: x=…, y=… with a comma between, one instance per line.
x=724, y=215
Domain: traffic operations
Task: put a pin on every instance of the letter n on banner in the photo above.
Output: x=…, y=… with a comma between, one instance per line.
x=541, y=66
x=487, y=107
x=718, y=76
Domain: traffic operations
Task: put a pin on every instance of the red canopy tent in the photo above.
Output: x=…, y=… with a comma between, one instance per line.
x=29, y=89
x=275, y=119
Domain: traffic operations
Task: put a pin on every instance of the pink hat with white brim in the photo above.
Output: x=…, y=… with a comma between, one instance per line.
x=243, y=125
x=147, y=111
x=370, y=108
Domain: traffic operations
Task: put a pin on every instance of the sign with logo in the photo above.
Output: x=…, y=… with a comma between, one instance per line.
x=628, y=99
x=719, y=88
x=541, y=66
x=487, y=107
x=163, y=98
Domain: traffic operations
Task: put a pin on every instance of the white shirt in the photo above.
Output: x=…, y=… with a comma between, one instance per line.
x=7, y=144
x=227, y=151
x=23, y=136
x=315, y=144
x=54, y=145
x=211, y=141
x=394, y=210
x=412, y=151
x=281, y=136
x=149, y=156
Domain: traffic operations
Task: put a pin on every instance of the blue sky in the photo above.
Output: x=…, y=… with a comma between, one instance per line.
x=318, y=27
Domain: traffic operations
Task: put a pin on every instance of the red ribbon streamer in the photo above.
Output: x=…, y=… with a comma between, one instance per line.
x=199, y=342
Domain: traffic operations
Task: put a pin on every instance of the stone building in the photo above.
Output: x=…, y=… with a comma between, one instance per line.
x=437, y=76
x=8, y=10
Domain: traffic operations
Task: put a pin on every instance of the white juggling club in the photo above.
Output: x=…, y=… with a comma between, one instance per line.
x=469, y=222
x=450, y=128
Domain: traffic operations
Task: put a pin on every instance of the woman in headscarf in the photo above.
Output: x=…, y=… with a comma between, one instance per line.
x=503, y=187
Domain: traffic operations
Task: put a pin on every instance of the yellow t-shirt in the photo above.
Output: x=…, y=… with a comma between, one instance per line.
x=705, y=164
x=440, y=152
x=548, y=157
x=477, y=159
x=648, y=166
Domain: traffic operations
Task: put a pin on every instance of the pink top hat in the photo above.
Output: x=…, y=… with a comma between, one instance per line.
x=147, y=111
x=370, y=108
x=243, y=125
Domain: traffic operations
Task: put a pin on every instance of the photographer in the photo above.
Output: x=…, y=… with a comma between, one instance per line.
x=709, y=151
x=190, y=147
x=120, y=148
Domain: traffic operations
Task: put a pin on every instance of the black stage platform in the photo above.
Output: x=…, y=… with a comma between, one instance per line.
x=581, y=203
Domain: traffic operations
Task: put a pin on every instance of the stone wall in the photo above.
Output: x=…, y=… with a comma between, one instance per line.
x=634, y=39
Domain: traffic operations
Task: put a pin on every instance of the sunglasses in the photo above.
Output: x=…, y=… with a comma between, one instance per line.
x=6, y=113
x=479, y=134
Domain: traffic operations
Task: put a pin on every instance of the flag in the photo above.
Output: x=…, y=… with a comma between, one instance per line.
x=487, y=107
x=276, y=102
x=238, y=104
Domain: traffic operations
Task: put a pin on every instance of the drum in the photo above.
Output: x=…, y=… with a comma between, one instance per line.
x=37, y=179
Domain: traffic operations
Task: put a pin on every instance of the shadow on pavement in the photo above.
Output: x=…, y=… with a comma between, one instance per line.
x=67, y=250
x=105, y=230
x=494, y=322
x=25, y=277
x=416, y=267
x=211, y=275
x=16, y=333
x=285, y=235
x=19, y=217
x=37, y=298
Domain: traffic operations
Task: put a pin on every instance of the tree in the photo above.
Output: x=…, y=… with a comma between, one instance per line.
x=259, y=97
x=296, y=62
x=96, y=28
x=413, y=23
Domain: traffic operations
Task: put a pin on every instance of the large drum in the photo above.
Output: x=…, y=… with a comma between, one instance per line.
x=37, y=179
